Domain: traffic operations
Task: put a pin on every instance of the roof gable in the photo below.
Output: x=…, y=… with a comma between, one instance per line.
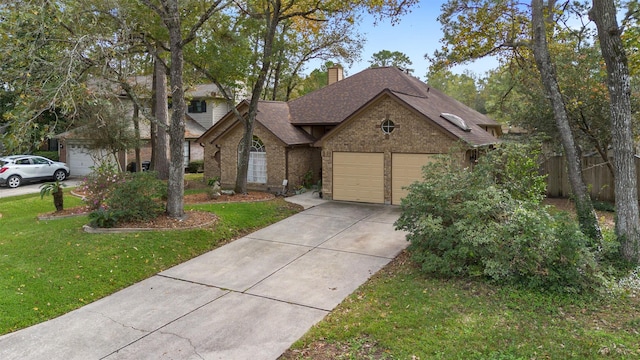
x=430, y=109
x=273, y=115
x=344, y=97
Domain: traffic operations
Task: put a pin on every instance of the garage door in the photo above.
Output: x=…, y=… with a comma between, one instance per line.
x=405, y=170
x=358, y=177
x=80, y=159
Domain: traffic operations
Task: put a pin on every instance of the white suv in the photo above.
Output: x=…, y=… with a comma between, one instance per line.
x=15, y=169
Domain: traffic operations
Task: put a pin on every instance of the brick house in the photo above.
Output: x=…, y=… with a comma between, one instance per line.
x=365, y=136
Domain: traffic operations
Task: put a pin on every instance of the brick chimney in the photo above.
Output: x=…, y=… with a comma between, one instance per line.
x=335, y=73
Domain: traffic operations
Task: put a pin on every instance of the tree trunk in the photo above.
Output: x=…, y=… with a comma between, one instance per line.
x=603, y=13
x=161, y=159
x=136, y=131
x=58, y=199
x=584, y=208
x=175, y=195
x=272, y=19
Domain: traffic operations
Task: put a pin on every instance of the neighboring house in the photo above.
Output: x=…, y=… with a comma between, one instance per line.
x=76, y=150
x=205, y=106
x=366, y=137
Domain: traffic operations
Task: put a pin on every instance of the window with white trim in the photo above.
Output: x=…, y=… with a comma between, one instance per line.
x=197, y=106
x=186, y=152
x=257, y=171
x=387, y=126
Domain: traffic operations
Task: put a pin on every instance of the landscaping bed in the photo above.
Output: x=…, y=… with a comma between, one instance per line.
x=192, y=219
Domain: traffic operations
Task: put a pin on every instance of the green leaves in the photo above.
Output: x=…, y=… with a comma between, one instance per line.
x=476, y=28
x=490, y=223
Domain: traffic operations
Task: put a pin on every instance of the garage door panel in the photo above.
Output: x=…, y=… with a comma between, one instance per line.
x=405, y=170
x=80, y=159
x=358, y=177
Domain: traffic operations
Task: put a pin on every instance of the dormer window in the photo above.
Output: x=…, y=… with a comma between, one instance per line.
x=197, y=106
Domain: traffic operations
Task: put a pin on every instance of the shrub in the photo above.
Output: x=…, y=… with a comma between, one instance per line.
x=515, y=168
x=307, y=179
x=489, y=223
x=97, y=185
x=52, y=155
x=195, y=166
x=137, y=198
x=604, y=206
x=103, y=218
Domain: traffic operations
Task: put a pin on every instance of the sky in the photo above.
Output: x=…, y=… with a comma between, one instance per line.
x=415, y=35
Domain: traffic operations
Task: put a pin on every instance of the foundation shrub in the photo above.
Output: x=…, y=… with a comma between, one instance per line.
x=489, y=222
x=132, y=197
x=138, y=198
x=97, y=185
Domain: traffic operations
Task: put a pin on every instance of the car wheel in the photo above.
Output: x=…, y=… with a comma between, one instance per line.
x=60, y=175
x=14, y=181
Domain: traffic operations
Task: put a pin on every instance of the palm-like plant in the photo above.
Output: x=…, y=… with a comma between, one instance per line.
x=55, y=189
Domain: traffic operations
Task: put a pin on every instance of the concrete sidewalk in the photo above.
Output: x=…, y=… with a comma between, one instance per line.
x=250, y=299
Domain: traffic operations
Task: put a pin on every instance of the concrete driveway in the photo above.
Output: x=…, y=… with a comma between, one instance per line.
x=250, y=299
x=33, y=188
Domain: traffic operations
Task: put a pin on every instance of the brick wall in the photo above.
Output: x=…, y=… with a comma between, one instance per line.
x=302, y=160
x=222, y=161
x=363, y=133
x=229, y=158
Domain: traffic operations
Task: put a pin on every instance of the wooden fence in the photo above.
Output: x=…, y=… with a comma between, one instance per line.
x=594, y=170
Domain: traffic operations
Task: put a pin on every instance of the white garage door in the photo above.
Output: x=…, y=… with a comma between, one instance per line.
x=80, y=159
x=358, y=177
x=405, y=170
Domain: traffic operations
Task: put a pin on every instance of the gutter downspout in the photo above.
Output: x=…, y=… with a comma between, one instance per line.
x=286, y=162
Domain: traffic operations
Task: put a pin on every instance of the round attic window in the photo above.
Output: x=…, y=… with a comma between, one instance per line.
x=387, y=126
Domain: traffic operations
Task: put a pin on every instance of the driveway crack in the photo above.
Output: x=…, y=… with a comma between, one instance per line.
x=121, y=324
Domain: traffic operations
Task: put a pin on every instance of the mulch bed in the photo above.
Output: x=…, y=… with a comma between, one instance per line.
x=191, y=219
x=250, y=196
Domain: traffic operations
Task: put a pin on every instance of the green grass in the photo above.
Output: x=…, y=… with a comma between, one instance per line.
x=402, y=314
x=52, y=267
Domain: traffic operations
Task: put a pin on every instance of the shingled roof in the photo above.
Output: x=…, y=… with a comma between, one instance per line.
x=437, y=104
x=346, y=96
x=274, y=115
x=337, y=102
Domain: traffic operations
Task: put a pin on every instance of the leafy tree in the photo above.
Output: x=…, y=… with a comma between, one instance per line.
x=40, y=67
x=512, y=90
x=7, y=100
x=584, y=207
x=300, y=42
x=172, y=14
x=477, y=28
x=461, y=87
x=106, y=123
x=473, y=29
x=317, y=79
x=391, y=58
x=272, y=13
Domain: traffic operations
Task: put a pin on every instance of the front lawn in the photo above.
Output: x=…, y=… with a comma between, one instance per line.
x=403, y=314
x=52, y=267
